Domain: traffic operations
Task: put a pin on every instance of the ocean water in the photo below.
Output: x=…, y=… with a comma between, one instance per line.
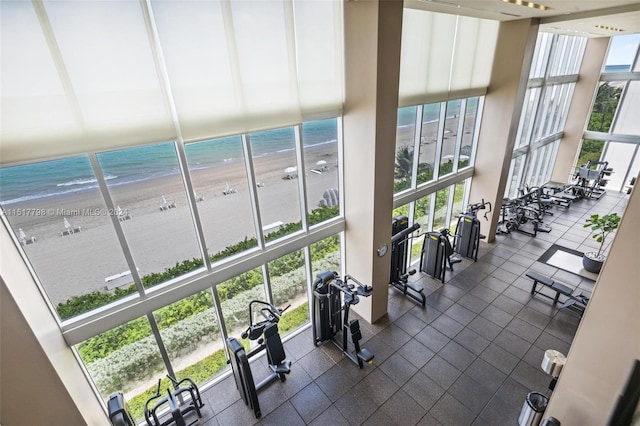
x=58, y=177
x=617, y=68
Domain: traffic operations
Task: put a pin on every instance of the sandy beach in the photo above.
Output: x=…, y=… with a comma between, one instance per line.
x=79, y=263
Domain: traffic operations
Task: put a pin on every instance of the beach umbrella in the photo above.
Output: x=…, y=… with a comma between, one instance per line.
x=21, y=234
x=164, y=201
x=67, y=225
x=321, y=163
x=290, y=170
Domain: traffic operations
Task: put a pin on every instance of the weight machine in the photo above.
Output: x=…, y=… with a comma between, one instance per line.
x=329, y=317
x=467, y=236
x=399, y=276
x=266, y=333
x=591, y=178
x=520, y=214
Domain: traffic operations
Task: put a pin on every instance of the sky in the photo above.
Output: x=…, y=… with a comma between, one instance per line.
x=623, y=49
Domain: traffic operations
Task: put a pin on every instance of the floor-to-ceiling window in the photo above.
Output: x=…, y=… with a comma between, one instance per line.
x=613, y=131
x=167, y=164
x=429, y=191
x=552, y=78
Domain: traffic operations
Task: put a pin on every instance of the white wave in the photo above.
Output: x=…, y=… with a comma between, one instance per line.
x=84, y=181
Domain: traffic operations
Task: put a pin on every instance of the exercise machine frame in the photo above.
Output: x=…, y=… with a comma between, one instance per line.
x=467, y=234
x=175, y=402
x=399, y=276
x=268, y=337
x=329, y=317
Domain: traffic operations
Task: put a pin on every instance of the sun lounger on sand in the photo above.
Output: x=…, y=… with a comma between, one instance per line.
x=122, y=214
x=228, y=190
x=166, y=205
x=68, y=229
x=24, y=239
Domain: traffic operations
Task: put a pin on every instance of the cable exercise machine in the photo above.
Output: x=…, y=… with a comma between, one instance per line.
x=437, y=252
x=268, y=337
x=330, y=318
x=400, y=238
x=467, y=236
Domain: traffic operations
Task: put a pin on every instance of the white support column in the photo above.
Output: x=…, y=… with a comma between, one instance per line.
x=372, y=32
x=501, y=115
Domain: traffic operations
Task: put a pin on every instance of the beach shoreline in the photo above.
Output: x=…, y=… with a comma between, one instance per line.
x=79, y=263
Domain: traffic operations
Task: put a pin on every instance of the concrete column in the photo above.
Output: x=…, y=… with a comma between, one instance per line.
x=580, y=108
x=501, y=116
x=372, y=32
x=41, y=380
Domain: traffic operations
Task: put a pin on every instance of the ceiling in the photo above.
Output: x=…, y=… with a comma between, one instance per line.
x=575, y=17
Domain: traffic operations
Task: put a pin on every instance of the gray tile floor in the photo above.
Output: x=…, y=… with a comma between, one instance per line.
x=469, y=357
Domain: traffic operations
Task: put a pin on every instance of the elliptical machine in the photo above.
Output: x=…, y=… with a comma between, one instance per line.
x=329, y=318
x=266, y=333
x=399, y=248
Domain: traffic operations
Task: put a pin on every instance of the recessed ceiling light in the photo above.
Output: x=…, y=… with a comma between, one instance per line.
x=528, y=4
x=605, y=27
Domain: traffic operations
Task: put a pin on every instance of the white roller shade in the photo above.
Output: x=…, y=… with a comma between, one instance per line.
x=444, y=56
x=92, y=76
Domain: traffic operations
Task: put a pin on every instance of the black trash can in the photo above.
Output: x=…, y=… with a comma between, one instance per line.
x=534, y=405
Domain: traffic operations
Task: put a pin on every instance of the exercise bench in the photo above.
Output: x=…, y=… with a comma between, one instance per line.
x=575, y=302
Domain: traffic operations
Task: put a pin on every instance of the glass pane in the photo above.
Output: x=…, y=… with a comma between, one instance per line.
x=541, y=55
x=619, y=157
x=591, y=150
x=145, y=183
x=401, y=211
x=325, y=255
x=320, y=139
x=526, y=124
x=605, y=106
x=405, y=135
x=428, y=142
x=421, y=215
x=450, y=137
x=235, y=295
x=191, y=334
x=622, y=52
x=514, y=183
x=58, y=214
x=276, y=171
x=219, y=179
x=627, y=122
x=466, y=147
x=440, y=212
x=458, y=203
x=288, y=279
x=127, y=359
